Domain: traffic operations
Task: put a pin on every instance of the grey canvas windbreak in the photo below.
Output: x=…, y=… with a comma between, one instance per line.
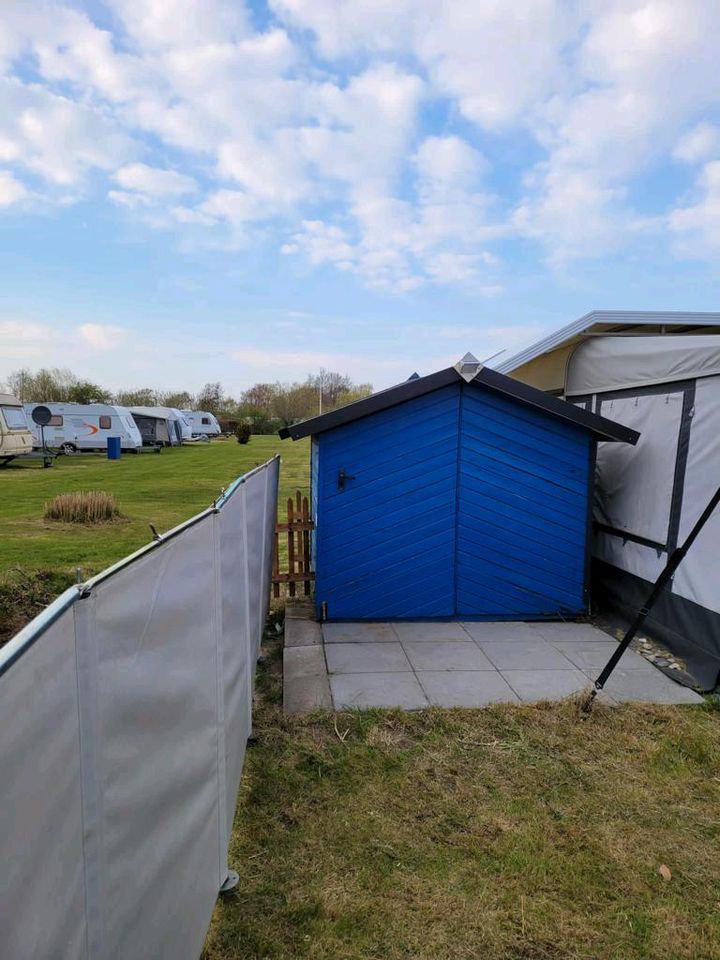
x=124, y=713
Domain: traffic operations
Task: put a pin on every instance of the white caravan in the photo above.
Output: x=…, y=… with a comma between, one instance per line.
x=15, y=436
x=203, y=423
x=85, y=426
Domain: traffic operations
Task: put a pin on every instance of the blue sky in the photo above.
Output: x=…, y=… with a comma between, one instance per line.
x=194, y=190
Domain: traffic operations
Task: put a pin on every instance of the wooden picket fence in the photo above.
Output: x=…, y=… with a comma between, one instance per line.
x=295, y=533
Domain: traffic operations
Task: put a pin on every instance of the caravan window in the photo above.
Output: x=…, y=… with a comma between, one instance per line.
x=55, y=420
x=105, y=422
x=205, y=421
x=15, y=418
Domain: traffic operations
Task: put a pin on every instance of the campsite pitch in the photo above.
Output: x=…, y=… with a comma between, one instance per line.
x=38, y=557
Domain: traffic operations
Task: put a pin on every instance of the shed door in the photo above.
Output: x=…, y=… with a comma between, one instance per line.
x=522, y=511
x=387, y=544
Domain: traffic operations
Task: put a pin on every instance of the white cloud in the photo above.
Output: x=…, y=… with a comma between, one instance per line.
x=55, y=137
x=298, y=363
x=362, y=129
x=494, y=60
x=99, y=336
x=23, y=342
x=162, y=24
x=154, y=182
x=11, y=189
x=449, y=163
x=643, y=68
x=12, y=331
x=697, y=227
x=700, y=143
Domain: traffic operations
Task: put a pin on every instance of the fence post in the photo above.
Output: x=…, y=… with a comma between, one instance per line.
x=291, y=547
x=276, y=564
x=306, y=544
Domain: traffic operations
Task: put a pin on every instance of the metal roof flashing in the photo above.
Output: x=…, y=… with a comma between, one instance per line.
x=600, y=427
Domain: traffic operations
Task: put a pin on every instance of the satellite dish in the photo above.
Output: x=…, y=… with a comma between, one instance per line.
x=42, y=416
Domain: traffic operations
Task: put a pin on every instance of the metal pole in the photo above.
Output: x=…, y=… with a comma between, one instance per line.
x=674, y=561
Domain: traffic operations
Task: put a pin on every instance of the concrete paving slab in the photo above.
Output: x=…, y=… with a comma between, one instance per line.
x=552, y=631
x=299, y=610
x=497, y=630
x=304, y=662
x=358, y=633
x=366, y=658
x=593, y=655
x=533, y=685
x=446, y=655
x=637, y=686
x=363, y=690
x=302, y=633
x=305, y=694
x=465, y=688
x=430, y=631
x=535, y=654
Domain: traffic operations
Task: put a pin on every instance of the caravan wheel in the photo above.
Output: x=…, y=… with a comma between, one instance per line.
x=68, y=448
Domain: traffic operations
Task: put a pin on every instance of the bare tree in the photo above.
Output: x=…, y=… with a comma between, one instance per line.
x=211, y=398
x=144, y=397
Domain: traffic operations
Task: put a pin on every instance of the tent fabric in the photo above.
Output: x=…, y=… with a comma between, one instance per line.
x=635, y=484
x=600, y=364
x=124, y=714
x=698, y=577
x=655, y=492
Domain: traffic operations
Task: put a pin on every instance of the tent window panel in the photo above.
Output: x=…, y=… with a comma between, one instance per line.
x=105, y=422
x=635, y=484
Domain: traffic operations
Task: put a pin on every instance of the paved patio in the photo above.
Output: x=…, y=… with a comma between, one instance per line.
x=416, y=665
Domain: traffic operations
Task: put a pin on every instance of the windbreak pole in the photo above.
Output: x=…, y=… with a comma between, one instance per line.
x=674, y=561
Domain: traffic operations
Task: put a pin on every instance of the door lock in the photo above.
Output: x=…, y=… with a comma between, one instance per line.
x=343, y=478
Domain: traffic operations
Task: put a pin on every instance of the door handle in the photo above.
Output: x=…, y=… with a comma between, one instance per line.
x=342, y=478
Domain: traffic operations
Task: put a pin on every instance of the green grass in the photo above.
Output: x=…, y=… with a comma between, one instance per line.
x=163, y=490
x=511, y=833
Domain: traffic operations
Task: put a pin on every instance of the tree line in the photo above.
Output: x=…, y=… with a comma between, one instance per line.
x=265, y=406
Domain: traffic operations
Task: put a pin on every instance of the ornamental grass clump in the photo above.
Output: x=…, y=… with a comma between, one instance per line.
x=91, y=506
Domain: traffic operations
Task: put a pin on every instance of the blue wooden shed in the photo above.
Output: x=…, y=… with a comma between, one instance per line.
x=461, y=494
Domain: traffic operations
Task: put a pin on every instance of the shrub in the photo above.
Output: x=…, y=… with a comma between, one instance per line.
x=24, y=593
x=243, y=432
x=93, y=506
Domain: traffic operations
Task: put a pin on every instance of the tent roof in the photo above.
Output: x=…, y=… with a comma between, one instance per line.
x=643, y=322
x=618, y=363
x=600, y=427
x=159, y=413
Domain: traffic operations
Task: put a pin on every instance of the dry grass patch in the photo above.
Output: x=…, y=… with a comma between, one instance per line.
x=518, y=833
x=92, y=506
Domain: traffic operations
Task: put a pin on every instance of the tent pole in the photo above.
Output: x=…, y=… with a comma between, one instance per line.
x=674, y=561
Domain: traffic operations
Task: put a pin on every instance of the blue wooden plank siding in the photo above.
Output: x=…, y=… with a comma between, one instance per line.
x=386, y=543
x=462, y=502
x=522, y=511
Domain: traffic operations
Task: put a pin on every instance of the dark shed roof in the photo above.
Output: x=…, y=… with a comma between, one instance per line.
x=600, y=427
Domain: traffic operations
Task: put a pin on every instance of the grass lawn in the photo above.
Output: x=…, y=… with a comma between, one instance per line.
x=38, y=558
x=512, y=832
